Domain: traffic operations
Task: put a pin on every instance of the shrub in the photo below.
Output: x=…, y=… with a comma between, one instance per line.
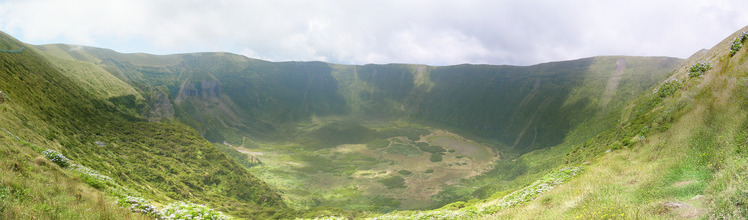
x=378, y=144
x=430, y=148
x=668, y=88
x=737, y=44
x=56, y=157
x=182, y=210
x=616, y=145
x=137, y=204
x=436, y=157
x=404, y=172
x=699, y=68
x=382, y=203
x=92, y=177
x=393, y=182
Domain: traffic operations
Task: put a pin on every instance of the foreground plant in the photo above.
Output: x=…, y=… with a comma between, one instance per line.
x=140, y=205
x=182, y=210
x=697, y=69
x=92, y=177
x=668, y=88
x=56, y=157
x=738, y=43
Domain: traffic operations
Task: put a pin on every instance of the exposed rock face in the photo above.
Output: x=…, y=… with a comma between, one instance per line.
x=161, y=107
x=200, y=89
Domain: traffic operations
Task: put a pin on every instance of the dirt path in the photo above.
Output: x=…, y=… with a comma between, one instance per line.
x=613, y=81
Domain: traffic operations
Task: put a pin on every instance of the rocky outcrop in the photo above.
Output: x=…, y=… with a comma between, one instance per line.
x=161, y=107
x=200, y=89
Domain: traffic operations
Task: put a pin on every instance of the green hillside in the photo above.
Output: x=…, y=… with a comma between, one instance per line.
x=327, y=135
x=93, y=119
x=679, y=152
x=613, y=137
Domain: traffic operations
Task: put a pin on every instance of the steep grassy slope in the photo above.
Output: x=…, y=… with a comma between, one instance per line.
x=686, y=156
x=679, y=152
x=94, y=120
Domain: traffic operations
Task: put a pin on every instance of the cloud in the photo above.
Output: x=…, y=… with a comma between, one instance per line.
x=358, y=32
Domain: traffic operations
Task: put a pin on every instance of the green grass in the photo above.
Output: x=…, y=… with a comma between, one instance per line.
x=33, y=187
x=677, y=152
x=161, y=161
x=688, y=150
x=512, y=109
x=351, y=131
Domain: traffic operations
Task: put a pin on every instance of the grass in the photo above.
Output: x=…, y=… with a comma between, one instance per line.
x=346, y=177
x=33, y=187
x=461, y=210
x=161, y=161
x=230, y=98
x=558, y=123
x=675, y=164
x=675, y=154
x=124, y=197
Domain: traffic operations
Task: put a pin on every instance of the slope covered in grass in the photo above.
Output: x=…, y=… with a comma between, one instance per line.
x=507, y=141
x=101, y=129
x=679, y=152
x=684, y=155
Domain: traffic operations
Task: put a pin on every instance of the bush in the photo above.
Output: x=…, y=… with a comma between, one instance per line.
x=668, y=88
x=92, y=177
x=393, y=182
x=182, y=210
x=378, y=144
x=430, y=148
x=56, y=157
x=616, y=145
x=436, y=157
x=699, y=68
x=140, y=205
x=737, y=44
x=404, y=172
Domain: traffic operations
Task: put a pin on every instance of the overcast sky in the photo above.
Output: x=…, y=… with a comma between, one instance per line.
x=521, y=32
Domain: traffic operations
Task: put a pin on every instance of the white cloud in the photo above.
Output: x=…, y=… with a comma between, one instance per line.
x=430, y=32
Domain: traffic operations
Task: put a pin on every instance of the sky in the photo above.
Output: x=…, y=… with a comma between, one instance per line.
x=434, y=32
